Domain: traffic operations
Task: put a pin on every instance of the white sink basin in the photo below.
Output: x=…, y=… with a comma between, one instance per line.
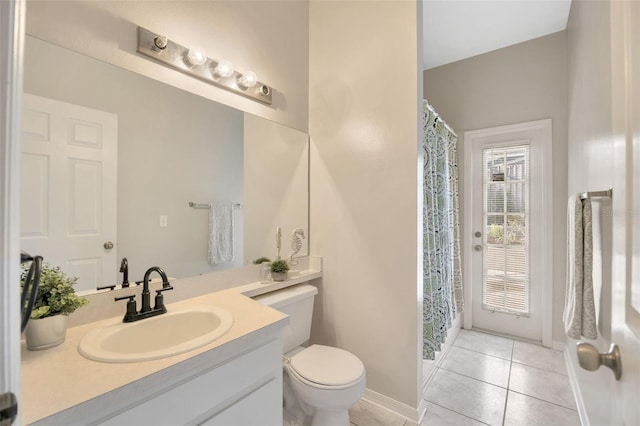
x=179, y=330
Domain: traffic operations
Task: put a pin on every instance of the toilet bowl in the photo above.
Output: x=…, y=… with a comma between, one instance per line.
x=326, y=381
x=322, y=381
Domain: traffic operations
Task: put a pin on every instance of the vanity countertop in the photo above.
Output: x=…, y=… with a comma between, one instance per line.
x=59, y=378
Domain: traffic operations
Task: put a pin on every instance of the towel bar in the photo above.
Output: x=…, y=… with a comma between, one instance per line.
x=607, y=193
x=208, y=206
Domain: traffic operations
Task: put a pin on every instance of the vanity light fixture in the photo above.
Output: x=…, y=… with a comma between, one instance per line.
x=223, y=69
x=194, y=62
x=195, y=57
x=248, y=79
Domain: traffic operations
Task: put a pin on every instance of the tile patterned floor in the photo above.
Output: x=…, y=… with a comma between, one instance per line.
x=489, y=380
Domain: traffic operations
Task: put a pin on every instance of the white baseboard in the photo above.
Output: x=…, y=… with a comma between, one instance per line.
x=397, y=407
x=422, y=410
x=573, y=381
x=558, y=346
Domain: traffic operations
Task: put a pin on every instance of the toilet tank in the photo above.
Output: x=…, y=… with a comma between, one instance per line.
x=297, y=303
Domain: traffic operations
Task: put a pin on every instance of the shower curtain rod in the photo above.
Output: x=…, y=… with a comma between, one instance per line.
x=440, y=119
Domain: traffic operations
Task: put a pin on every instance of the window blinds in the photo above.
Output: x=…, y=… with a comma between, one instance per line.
x=506, y=238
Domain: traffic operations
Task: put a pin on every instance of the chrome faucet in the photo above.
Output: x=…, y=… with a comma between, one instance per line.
x=124, y=268
x=145, y=310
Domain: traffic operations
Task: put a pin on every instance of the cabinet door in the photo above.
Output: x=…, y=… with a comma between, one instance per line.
x=262, y=407
x=213, y=392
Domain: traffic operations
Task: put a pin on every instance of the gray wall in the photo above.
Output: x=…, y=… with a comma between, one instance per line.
x=364, y=183
x=524, y=82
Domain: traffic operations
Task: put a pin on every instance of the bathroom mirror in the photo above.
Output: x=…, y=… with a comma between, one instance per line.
x=173, y=148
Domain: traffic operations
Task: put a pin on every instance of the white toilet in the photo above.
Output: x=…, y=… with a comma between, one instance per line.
x=324, y=381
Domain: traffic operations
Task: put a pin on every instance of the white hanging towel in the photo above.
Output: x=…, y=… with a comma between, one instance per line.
x=580, y=309
x=220, y=233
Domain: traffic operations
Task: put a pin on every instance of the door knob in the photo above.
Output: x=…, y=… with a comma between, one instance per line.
x=590, y=359
x=108, y=245
x=477, y=247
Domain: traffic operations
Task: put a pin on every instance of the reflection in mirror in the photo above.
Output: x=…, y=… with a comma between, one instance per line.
x=110, y=156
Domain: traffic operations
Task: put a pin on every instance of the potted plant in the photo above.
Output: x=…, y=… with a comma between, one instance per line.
x=55, y=300
x=279, y=270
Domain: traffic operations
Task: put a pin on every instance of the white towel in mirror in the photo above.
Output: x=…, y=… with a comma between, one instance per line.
x=220, y=233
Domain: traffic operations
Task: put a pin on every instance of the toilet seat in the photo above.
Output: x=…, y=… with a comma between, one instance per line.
x=327, y=367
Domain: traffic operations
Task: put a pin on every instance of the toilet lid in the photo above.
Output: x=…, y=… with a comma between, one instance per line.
x=327, y=365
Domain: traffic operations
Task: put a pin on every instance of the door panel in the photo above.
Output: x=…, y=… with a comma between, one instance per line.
x=626, y=287
x=70, y=153
x=12, y=14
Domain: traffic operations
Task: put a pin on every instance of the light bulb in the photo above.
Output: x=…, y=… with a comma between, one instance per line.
x=223, y=69
x=195, y=56
x=248, y=79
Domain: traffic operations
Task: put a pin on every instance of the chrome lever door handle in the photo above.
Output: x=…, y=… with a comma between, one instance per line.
x=590, y=359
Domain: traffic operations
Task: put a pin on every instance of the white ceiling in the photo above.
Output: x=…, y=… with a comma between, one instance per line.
x=459, y=29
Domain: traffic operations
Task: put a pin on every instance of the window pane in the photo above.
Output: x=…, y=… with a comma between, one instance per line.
x=516, y=230
x=495, y=229
x=506, y=213
x=516, y=196
x=495, y=198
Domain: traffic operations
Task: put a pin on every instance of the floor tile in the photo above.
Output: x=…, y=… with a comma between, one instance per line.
x=541, y=384
x=427, y=368
x=467, y=396
x=479, y=366
x=291, y=420
x=440, y=416
x=364, y=413
x=485, y=343
x=539, y=356
x=523, y=410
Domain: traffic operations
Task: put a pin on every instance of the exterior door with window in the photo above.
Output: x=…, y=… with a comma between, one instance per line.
x=507, y=226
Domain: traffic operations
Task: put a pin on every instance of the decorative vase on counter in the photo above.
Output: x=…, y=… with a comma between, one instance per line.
x=265, y=273
x=46, y=332
x=279, y=276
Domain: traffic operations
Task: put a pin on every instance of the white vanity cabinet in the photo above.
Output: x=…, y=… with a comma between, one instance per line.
x=245, y=390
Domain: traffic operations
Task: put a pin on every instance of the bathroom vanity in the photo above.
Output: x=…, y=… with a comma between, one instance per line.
x=225, y=382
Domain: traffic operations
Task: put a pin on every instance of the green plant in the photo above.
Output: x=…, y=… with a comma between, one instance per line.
x=279, y=266
x=495, y=234
x=56, y=295
x=260, y=260
x=515, y=232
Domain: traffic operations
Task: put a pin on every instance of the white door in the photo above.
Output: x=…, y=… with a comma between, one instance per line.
x=625, y=312
x=12, y=15
x=68, y=188
x=507, y=226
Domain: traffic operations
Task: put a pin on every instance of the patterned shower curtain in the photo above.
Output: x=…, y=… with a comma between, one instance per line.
x=443, y=296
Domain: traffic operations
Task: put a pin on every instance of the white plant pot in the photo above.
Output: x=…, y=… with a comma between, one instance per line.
x=46, y=332
x=278, y=276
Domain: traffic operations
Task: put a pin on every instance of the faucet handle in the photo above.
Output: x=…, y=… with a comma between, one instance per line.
x=160, y=299
x=110, y=287
x=132, y=309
